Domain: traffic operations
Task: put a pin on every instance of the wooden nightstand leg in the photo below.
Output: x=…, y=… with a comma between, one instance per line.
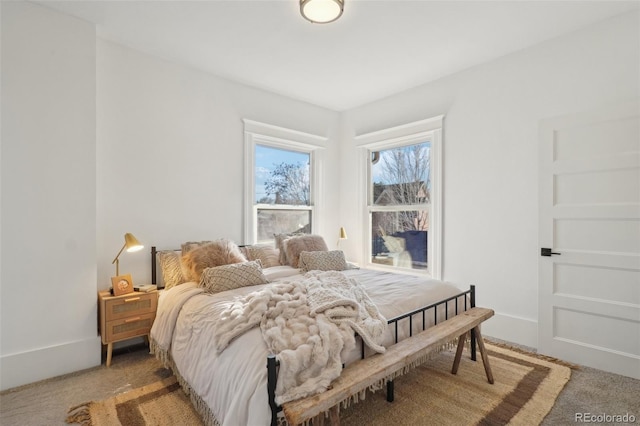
x=109, y=350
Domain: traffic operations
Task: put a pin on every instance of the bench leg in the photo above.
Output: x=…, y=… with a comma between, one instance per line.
x=459, y=349
x=483, y=353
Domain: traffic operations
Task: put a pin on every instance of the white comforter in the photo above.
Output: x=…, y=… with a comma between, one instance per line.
x=233, y=383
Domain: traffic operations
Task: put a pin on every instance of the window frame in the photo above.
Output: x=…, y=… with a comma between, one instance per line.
x=256, y=133
x=395, y=137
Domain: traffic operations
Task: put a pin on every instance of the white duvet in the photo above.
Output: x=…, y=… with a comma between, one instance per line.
x=233, y=384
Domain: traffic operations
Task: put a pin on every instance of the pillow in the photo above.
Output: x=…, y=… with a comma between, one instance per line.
x=216, y=253
x=268, y=256
x=228, y=277
x=171, y=268
x=190, y=245
x=296, y=245
x=245, y=252
x=280, y=238
x=322, y=261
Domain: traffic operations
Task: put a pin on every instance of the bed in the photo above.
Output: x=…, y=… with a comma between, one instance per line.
x=232, y=386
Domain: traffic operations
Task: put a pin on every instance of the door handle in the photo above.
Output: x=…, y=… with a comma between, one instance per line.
x=547, y=252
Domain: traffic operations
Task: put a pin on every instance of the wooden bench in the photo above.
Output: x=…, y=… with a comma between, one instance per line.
x=366, y=372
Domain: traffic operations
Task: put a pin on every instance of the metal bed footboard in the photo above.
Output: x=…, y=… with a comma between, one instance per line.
x=463, y=301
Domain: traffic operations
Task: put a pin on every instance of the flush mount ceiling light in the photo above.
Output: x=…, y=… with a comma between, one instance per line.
x=321, y=11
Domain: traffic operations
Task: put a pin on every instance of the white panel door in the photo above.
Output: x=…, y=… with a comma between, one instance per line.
x=589, y=292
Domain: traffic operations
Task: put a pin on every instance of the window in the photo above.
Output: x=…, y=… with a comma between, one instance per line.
x=281, y=189
x=402, y=206
x=283, y=196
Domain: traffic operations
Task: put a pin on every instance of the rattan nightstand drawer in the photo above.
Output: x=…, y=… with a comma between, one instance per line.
x=126, y=328
x=132, y=304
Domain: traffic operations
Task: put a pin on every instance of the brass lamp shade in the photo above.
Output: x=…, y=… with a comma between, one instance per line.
x=343, y=233
x=321, y=11
x=132, y=244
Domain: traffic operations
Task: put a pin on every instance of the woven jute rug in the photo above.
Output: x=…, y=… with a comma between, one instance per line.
x=158, y=404
x=526, y=387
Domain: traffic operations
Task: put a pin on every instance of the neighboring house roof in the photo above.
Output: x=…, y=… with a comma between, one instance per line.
x=392, y=194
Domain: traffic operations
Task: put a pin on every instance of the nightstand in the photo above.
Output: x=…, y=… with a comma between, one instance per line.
x=125, y=317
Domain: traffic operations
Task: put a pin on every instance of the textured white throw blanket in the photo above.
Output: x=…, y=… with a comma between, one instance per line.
x=307, y=324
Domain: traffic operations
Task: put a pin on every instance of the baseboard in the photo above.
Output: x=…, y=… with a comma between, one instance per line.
x=43, y=363
x=512, y=329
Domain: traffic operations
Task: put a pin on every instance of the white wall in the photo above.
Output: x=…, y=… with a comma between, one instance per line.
x=490, y=156
x=48, y=278
x=99, y=140
x=170, y=154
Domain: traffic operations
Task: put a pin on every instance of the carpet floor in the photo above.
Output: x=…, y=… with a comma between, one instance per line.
x=47, y=402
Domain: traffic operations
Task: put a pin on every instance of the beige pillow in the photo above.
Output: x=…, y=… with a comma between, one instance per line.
x=245, y=252
x=229, y=277
x=322, y=261
x=216, y=253
x=190, y=245
x=171, y=268
x=267, y=255
x=280, y=238
x=296, y=245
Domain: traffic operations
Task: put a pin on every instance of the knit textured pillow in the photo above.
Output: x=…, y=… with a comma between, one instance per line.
x=229, y=277
x=216, y=253
x=171, y=268
x=322, y=261
x=296, y=245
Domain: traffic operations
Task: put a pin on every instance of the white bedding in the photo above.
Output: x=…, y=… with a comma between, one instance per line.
x=233, y=384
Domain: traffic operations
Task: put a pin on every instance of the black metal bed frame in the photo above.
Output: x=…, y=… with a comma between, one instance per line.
x=154, y=272
x=469, y=298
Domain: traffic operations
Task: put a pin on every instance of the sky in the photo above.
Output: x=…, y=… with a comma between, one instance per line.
x=267, y=159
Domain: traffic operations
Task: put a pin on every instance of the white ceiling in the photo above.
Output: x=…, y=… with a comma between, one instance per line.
x=377, y=48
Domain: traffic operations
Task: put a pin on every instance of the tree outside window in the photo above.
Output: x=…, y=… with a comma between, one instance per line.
x=282, y=189
x=399, y=207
